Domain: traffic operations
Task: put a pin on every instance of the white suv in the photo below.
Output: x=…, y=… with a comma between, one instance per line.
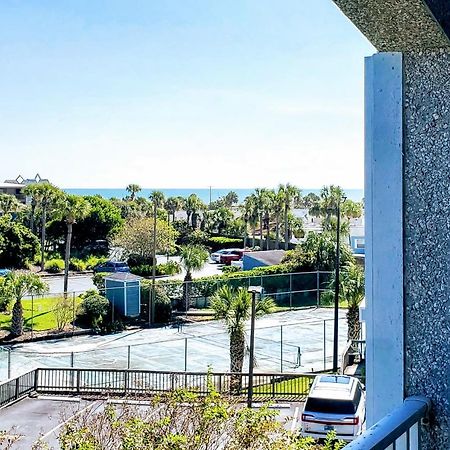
x=335, y=403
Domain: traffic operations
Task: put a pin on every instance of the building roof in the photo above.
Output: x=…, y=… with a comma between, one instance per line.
x=268, y=257
x=123, y=276
x=12, y=185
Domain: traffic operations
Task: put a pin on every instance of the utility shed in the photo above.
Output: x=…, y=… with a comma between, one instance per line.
x=123, y=290
x=251, y=260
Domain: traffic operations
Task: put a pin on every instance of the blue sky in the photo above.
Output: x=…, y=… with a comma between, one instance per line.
x=185, y=93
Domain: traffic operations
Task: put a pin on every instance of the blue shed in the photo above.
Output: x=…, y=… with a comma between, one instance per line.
x=123, y=290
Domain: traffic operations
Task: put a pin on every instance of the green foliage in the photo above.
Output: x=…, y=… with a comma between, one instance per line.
x=77, y=264
x=219, y=242
x=230, y=269
x=99, y=280
x=145, y=270
x=92, y=261
x=182, y=420
x=94, y=309
x=54, y=265
x=163, y=304
x=18, y=245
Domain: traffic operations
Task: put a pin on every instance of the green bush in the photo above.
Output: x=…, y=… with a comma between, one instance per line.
x=92, y=261
x=163, y=304
x=219, y=242
x=99, y=280
x=169, y=268
x=137, y=260
x=77, y=264
x=143, y=270
x=230, y=269
x=54, y=265
x=94, y=308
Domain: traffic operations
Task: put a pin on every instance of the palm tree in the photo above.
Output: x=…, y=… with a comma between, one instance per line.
x=193, y=257
x=72, y=208
x=290, y=195
x=261, y=201
x=133, y=189
x=193, y=205
x=230, y=199
x=172, y=205
x=16, y=286
x=234, y=308
x=46, y=198
x=277, y=208
x=352, y=291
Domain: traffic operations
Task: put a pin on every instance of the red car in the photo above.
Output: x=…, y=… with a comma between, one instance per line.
x=231, y=255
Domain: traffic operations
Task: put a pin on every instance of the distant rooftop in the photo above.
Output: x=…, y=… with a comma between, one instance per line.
x=21, y=181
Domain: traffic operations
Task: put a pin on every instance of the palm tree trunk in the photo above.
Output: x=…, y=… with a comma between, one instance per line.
x=17, y=319
x=353, y=322
x=43, y=221
x=261, y=244
x=286, y=229
x=187, y=291
x=277, y=232
x=67, y=257
x=237, y=353
x=268, y=234
x=253, y=236
x=33, y=209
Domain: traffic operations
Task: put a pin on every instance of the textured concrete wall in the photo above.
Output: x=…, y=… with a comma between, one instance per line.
x=397, y=25
x=427, y=235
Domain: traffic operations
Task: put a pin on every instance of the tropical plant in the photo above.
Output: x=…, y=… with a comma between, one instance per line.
x=193, y=205
x=289, y=195
x=234, y=308
x=72, y=209
x=64, y=312
x=46, y=199
x=94, y=308
x=17, y=285
x=54, y=265
x=352, y=289
x=193, y=257
x=18, y=246
x=133, y=189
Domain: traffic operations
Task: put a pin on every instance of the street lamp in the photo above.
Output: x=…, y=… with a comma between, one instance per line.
x=336, y=284
x=253, y=290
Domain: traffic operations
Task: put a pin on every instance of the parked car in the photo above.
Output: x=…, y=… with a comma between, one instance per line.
x=216, y=255
x=232, y=255
x=4, y=272
x=111, y=266
x=335, y=403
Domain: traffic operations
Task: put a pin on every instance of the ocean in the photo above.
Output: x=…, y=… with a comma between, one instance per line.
x=204, y=194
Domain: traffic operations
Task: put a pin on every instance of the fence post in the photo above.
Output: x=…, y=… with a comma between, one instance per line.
x=32, y=316
x=324, y=345
x=73, y=312
x=318, y=288
x=36, y=379
x=185, y=354
x=72, y=359
x=290, y=291
x=9, y=363
x=129, y=357
x=78, y=380
x=281, y=348
x=17, y=388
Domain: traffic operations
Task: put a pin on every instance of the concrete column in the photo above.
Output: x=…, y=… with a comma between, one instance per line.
x=427, y=236
x=384, y=233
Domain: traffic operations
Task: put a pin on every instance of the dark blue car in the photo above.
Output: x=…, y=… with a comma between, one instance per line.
x=112, y=266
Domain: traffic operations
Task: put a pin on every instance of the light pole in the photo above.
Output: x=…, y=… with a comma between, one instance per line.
x=336, y=285
x=253, y=290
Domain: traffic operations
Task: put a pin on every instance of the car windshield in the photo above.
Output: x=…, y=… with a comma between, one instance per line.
x=329, y=406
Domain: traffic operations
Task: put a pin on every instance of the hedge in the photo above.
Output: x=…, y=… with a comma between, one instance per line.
x=219, y=242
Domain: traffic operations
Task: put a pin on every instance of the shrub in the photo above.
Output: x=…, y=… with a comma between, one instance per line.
x=92, y=261
x=137, y=260
x=142, y=270
x=64, y=312
x=218, y=242
x=99, y=281
x=230, y=269
x=54, y=265
x=94, y=308
x=163, y=304
x=169, y=268
x=77, y=264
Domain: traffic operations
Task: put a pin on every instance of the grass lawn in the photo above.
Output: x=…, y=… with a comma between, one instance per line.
x=44, y=317
x=295, y=386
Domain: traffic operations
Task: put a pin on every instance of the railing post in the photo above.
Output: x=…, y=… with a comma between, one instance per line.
x=78, y=380
x=36, y=379
x=129, y=357
x=17, y=388
x=290, y=291
x=185, y=354
x=272, y=382
x=324, y=345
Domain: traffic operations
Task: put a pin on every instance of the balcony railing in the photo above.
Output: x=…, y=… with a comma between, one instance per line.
x=399, y=430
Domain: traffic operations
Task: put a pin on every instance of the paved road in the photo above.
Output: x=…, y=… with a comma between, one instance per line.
x=81, y=283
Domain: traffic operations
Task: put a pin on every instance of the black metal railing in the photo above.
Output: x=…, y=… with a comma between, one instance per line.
x=16, y=388
x=399, y=429
x=145, y=382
